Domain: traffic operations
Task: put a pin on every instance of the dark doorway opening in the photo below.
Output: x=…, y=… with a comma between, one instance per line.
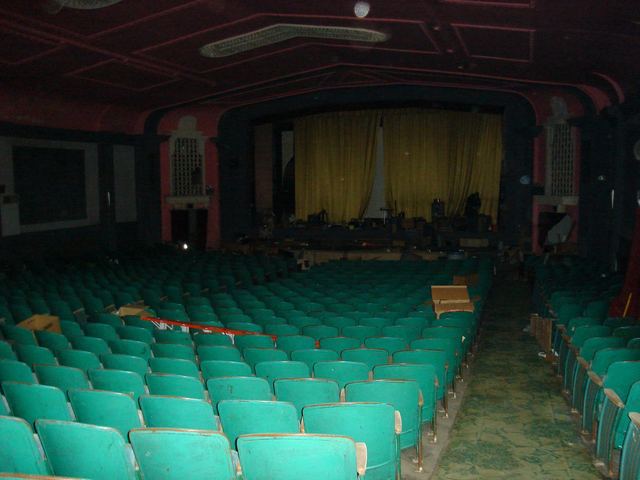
x=189, y=226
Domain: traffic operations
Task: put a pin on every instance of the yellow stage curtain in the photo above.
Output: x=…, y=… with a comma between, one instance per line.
x=438, y=154
x=335, y=163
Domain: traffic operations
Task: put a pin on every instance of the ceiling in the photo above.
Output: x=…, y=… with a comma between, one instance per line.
x=144, y=54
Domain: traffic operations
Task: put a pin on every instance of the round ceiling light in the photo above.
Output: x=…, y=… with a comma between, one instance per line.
x=361, y=9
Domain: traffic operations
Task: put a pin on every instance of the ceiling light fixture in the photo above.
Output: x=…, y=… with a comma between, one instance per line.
x=84, y=4
x=281, y=32
x=361, y=9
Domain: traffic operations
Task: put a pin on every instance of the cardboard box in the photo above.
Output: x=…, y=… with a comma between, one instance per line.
x=474, y=242
x=450, y=298
x=50, y=323
x=133, y=310
x=468, y=280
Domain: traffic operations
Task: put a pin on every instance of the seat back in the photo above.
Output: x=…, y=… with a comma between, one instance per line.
x=341, y=371
x=101, y=330
x=306, y=391
x=426, y=377
x=338, y=344
x=6, y=352
x=52, y=340
x=122, y=381
x=131, y=347
x=437, y=358
x=592, y=345
x=177, y=385
x=15, y=371
x=173, y=350
x=318, y=332
x=238, y=388
x=20, y=452
x=390, y=344
x=405, y=397
x=275, y=370
x=621, y=376
x=369, y=356
x=361, y=332
x=33, y=401
x=175, y=454
x=121, y=361
x=581, y=334
x=289, y=343
x=175, y=366
x=79, y=359
x=253, y=341
x=19, y=335
x=605, y=357
x=107, y=409
x=219, y=352
x=177, y=412
x=224, y=368
x=630, y=461
x=371, y=423
x=254, y=356
x=211, y=339
x=243, y=417
x=311, y=356
x=292, y=457
x=94, y=345
x=129, y=332
x=33, y=355
x=173, y=336
x=85, y=451
x=65, y=378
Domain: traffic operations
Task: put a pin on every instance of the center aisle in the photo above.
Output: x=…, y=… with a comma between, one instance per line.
x=513, y=422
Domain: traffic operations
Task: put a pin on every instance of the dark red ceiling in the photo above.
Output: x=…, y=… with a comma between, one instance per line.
x=143, y=54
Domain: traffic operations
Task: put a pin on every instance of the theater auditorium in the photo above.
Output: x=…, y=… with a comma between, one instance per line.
x=340, y=240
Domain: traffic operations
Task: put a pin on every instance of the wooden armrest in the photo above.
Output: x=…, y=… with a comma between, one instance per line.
x=302, y=425
x=584, y=363
x=343, y=395
x=635, y=418
x=595, y=378
x=361, y=458
x=398, y=422
x=614, y=398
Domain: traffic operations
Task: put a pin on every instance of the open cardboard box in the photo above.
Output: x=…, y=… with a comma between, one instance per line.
x=468, y=280
x=132, y=310
x=50, y=323
x=451, y=298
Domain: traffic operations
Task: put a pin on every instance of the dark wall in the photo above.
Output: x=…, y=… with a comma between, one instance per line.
x=608, y=164
x=235, y=143
x=107, y=235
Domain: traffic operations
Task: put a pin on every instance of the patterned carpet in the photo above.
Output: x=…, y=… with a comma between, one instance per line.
x=513, y=424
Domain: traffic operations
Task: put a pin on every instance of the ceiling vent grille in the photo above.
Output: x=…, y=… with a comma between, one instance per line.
x=285, y=31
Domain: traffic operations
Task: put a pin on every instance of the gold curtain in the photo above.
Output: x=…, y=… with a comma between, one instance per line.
x=335, y=163
x=437, y=154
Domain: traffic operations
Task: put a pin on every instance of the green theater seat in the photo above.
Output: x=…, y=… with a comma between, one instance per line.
x=177, y=412
x=106, y=409
x=294, y=456
x=174, y=454
x=85, y=451
x=20, y=452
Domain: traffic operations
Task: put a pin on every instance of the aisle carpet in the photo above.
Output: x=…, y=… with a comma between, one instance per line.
x=513, y=424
